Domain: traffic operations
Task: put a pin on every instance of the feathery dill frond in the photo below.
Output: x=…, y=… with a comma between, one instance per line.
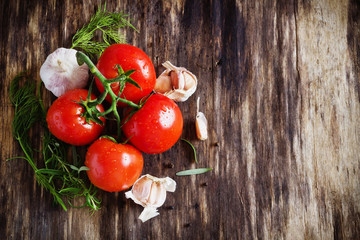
x=109, y=24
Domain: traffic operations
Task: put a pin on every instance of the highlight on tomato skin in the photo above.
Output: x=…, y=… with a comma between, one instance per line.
x=156, y=127
x=113, y=166
x=66, y=123
x=129, y=58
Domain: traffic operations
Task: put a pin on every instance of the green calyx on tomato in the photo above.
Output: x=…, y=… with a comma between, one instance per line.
x=123, y=78
x=91, y=113
x=66, y=121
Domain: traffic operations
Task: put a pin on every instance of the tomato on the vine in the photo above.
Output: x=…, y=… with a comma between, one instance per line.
x=113, y=166
x=129, y=58
x=66, y=123
x=156, y=127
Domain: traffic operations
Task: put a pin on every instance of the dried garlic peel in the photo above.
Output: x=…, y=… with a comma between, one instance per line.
x=201, y=124
x=60, y=72
x=177, y=83
x=150, y=192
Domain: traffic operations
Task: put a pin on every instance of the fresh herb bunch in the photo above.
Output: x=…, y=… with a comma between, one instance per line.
x=62, y=179
x=109, y=24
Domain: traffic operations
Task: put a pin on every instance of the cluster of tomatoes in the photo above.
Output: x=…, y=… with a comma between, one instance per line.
x=154, y=128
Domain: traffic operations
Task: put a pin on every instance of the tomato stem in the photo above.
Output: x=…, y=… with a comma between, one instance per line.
x=82, y=58
x=101, y=98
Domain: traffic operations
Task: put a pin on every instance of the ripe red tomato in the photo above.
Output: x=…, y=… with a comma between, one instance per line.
x=65, y=123
x=128, y=57
x=156, y=127
x=113, y=166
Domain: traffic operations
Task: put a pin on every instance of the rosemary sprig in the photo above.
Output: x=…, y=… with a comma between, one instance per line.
x=108, y=24
x=193, y=171
x=62, y=179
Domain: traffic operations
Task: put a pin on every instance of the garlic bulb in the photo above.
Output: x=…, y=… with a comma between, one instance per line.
x=177, y=83
x=150, y=192
x=60, y=72
x=201, y=123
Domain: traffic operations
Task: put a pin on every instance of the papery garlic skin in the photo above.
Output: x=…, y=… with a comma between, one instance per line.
x=60, y=72
x=201, y=124
x=177, y=83
x=150, y=192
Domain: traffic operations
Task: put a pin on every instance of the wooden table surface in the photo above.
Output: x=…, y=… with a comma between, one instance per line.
x=279, y=84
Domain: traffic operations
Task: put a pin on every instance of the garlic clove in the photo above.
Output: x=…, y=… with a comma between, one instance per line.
x=150, y=192
x=177, y=79
x=177, y=83
x=189, y=82
x=142, y=189
x=201, y=124
x=163, y=83
x=60, y=72
x=157, y=195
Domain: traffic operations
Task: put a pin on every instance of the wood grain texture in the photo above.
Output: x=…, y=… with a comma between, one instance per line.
x=279, y=84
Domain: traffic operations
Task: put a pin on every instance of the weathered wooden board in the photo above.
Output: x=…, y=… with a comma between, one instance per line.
x=279, y=84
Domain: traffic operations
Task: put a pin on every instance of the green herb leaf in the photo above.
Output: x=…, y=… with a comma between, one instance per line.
x=193, y=171
x=74, y=167
x=193, y=148
x=83, y=168
x=69, y=190
x=49, y=172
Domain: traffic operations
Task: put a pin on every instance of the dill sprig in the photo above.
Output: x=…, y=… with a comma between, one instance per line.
x=62, y=179
x=109, y=24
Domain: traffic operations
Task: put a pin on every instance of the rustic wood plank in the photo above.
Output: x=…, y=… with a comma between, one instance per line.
x=279, y=84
